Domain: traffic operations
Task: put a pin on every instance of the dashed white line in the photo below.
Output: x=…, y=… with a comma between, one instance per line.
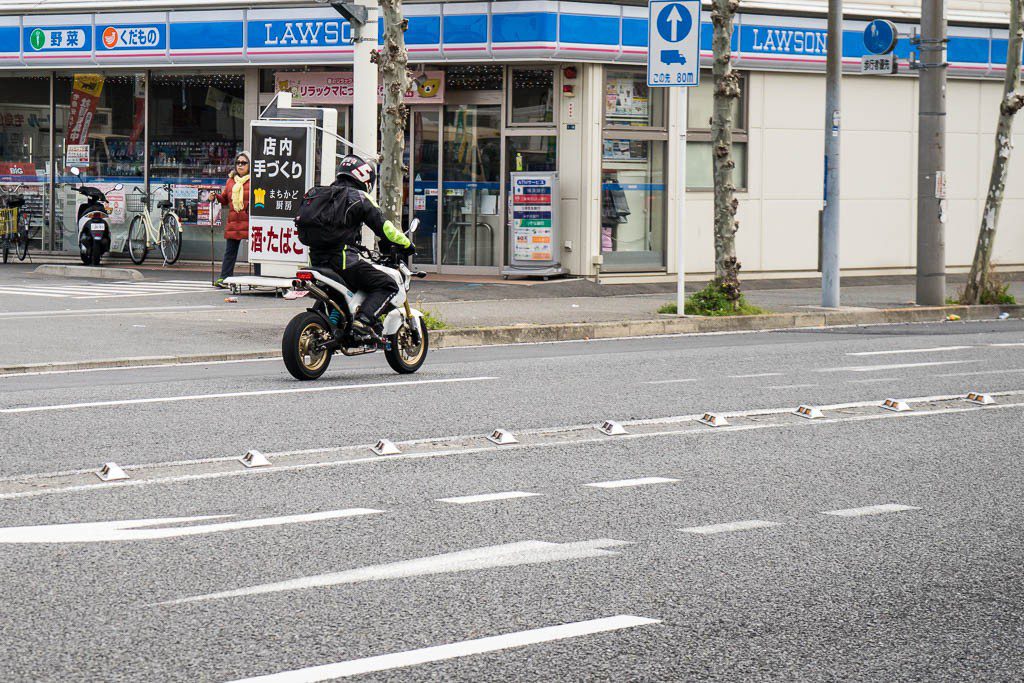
x=933, y=349
x=487, y=497
x=267, y=392
x=1007, y=344
x=621, y=483
x=746, y=525
x=875, y=368
x=871, y=510
x=671, y=381
x=465, y=648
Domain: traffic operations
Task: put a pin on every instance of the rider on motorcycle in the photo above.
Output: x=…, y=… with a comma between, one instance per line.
x=359, y=274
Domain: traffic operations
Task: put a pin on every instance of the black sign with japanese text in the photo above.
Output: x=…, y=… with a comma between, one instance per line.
x=278, y=182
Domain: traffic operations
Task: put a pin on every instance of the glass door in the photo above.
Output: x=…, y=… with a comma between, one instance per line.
x=424, y=182
x=470, y=206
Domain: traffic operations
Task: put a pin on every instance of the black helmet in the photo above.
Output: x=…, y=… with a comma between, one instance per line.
x=358, y=170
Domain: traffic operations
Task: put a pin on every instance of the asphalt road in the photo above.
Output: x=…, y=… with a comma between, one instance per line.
x=392, y=574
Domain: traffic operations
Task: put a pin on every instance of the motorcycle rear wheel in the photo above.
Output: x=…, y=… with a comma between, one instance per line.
x=85, y=247
x=301, y=334
x=404, y=356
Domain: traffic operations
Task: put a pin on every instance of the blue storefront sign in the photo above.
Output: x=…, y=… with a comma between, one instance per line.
x=495, y=31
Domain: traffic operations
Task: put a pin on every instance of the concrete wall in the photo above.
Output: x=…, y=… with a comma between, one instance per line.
x=778, y=212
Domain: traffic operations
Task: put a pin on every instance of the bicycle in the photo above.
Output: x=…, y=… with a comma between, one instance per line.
x=143, y=235
x=14, y=223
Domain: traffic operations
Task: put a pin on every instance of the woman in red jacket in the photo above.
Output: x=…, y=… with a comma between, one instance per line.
x=236, y=197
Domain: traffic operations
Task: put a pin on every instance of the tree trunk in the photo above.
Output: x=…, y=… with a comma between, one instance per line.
x=392, y=60
x=1011, y=103
x=726, y=92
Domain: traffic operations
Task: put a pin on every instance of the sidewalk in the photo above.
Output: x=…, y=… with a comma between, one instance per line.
x=204, y=325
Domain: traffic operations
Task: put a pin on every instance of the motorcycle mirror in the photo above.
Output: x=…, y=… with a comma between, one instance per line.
x=414, y=226
x=75, y=171
x=119, y=186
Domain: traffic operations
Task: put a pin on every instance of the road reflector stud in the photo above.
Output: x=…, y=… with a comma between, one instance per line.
x=980, y=399
x=810, y=412
x=612, y=428
x=111, y=471
x=713, y=420
x=385, y=447
x=895, y=405
x=502, y=437
x=254, y=458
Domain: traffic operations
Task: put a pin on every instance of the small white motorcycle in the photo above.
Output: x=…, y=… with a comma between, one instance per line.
x=310, y=339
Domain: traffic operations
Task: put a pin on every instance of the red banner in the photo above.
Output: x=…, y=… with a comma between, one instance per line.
x=85, y=95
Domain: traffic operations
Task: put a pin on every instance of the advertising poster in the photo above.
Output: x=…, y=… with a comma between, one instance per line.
x=282, y=171
x=532, y=217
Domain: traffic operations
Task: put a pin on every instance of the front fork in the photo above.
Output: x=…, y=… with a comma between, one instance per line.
x=414, y=330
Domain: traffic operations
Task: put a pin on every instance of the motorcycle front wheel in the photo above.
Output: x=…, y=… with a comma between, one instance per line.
x=405, y=355
x=298, y=346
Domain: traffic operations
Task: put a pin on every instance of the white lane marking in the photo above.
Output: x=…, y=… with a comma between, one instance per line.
x=5, y=290
x=934, y=349
x=871, y=510
x=465, y=648
x=875, y=379
x=93, y=311
x=238, y=394
x=631, y=482
x=746, y=525
x=486, y=497
x=137, y=367
x=875, y=368
x=683, y=419
x=474, y=559
x=981, y=372
x=790, y=386
x=760, y=374
x=671, y=381
x=1007, y=344
x=135, y=529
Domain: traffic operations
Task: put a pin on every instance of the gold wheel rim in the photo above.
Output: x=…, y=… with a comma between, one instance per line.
x=308, y=339
x=405, y=344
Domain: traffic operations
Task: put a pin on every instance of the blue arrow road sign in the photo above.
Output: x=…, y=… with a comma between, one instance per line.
x=880, y=37
x=673, y=42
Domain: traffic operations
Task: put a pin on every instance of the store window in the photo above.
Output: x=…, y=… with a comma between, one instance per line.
x=197, y=126
x=699, y=171
x=532, y=96
x=100, y=129
x=629, y=103
x=460, y=77
x=633, y=173
x=24, y=148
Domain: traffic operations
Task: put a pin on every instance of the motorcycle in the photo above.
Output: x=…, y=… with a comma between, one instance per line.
x=311, y=339
x=93, y=223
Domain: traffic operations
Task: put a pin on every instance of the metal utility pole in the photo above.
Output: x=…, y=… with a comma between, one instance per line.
x=931, y=156
x=830, y=216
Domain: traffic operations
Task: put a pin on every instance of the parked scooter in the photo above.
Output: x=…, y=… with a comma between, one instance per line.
x=93, y=223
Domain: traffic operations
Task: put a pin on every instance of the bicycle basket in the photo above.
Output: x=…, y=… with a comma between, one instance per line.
x=136, y=202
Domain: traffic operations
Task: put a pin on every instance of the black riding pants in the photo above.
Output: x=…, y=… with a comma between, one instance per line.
x=359, y=275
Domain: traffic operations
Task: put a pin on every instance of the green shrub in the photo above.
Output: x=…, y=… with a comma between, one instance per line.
x=433, y=322
x=713, y=301
x=993, y=291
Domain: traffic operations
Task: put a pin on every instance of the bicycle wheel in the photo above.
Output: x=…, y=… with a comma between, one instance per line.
x=137, y=240
x=7, y=247
x=170, y=238
x=22, y=246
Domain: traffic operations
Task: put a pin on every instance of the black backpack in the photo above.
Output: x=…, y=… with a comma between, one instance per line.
x=321, y=217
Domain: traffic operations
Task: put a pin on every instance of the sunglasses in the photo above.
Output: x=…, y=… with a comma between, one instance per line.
x=241, y=163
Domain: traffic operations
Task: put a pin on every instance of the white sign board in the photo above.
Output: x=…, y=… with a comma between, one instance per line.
x=878, y=64
x=76, y=155
x=673, y=39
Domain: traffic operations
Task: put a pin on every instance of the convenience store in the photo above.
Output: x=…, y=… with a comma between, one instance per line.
x=162, y=99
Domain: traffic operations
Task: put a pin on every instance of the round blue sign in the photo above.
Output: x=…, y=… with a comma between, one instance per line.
x=674, y=23
x=880, y=37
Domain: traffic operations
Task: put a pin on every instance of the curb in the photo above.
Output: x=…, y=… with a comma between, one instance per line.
x=525, y=333
x=97, y=272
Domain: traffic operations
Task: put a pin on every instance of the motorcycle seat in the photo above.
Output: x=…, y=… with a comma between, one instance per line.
x=329, y=273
